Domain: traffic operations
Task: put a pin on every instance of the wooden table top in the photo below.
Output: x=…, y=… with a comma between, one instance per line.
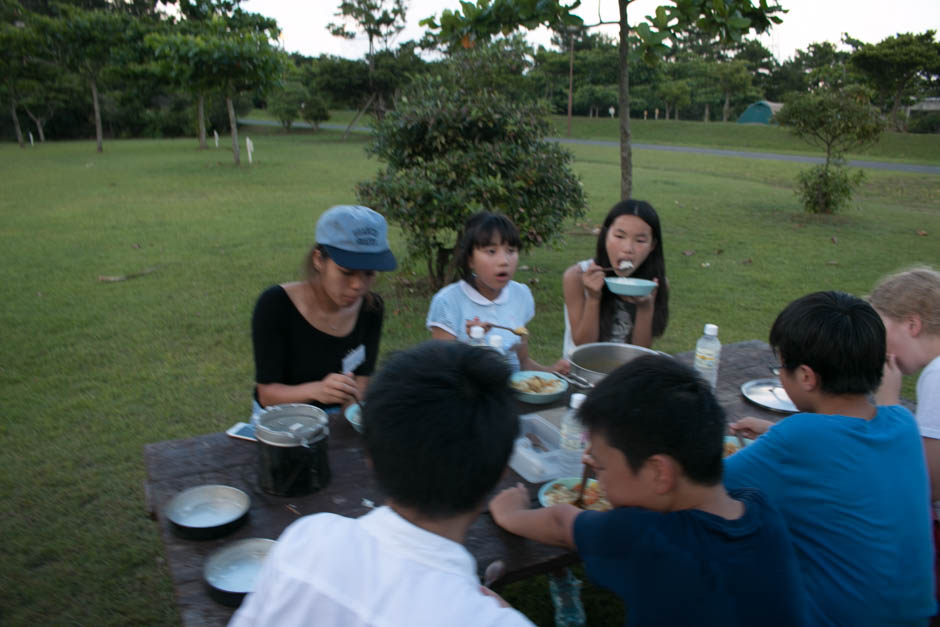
x=175, y=465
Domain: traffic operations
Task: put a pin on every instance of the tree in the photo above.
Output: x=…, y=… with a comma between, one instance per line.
x=380, y=20
x=452, y=146
x=732, y=77
x=88, y=42
x=286, y=102
x=232, y=54
x=313, y=109
x=675, y=93
x=837, y=120
x=15, y=41
x=900, y=65
x=724, y=20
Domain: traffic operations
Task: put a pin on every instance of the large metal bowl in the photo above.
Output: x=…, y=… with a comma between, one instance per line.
x=595, y=361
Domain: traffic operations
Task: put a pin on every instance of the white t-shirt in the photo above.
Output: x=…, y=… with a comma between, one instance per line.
x=375, y=571
x=458, y=302
x=928, y=400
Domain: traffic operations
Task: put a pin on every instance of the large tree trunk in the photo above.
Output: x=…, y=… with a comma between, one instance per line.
x=707, y=114
x=39, y=124
x=16, y=124
x=94, y=101
x=726, y=110
x=201, y=112
x=668, y=108
x=626, y=155
x=233, y=124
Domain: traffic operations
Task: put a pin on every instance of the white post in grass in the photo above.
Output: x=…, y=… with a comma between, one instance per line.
x=250, y=147
x=30, y=137
x=216, y=133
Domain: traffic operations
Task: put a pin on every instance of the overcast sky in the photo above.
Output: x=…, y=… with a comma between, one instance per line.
x=303, y=22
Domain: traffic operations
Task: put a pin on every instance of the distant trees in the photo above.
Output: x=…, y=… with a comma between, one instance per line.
x=900, y=67
x=724, y=21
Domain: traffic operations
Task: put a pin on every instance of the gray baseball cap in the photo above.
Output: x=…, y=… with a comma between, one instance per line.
x=356, y=238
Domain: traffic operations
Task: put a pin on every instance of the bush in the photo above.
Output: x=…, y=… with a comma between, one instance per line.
x=826, y=190
x=313, y=110
x=924, y=123
x=454, y=146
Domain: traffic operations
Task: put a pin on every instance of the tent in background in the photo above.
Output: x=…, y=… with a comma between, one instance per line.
x=761, y=112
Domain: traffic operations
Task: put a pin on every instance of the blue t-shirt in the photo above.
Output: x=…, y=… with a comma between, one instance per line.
x=691, y=567
x=458, y=302
x=854, y=496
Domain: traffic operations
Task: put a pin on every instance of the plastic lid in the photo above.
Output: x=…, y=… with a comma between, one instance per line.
x=496, y=341
x=576, y=399
x=711, y=329
x=477, y=332
x=292, y=424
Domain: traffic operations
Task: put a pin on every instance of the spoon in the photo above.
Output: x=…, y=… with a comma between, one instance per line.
x=520, y=331
x=584, y=480
x=624, y=265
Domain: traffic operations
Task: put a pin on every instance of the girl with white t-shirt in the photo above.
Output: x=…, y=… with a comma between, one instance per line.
x=487, y=256
x=909, y=305
x=631, y=242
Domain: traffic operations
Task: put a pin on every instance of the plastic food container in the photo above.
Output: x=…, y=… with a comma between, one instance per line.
x=529, y=460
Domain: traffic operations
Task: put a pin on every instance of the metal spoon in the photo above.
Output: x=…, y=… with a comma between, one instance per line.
x=520, y=331
x=584, y=479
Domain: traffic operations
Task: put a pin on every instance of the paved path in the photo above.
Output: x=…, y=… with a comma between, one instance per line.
x=769, y=156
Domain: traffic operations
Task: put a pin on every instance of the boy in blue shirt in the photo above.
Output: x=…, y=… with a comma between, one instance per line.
x=848, y=477
x=677, y=548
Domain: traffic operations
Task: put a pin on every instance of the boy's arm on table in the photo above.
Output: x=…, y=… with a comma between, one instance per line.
x=549, y=525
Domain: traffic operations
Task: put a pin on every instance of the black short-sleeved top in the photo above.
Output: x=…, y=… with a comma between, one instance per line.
x=289, y=350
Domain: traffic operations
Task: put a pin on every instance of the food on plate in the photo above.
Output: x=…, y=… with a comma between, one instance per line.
x=538, y=385
x=593, y=496
x=731, y=448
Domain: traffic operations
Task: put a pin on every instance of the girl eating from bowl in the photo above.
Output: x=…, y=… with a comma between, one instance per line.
x=316, y=341
x=487, y=256
x=630, y=244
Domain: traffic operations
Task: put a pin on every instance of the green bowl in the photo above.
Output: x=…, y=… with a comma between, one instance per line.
x=535, y=398
x=626, y=286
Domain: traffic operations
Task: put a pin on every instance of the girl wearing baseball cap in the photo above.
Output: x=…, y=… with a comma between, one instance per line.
x=316, y=341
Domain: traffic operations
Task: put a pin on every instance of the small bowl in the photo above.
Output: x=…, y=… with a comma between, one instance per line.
x=731, y=442
x=207, y=511
x=353, y=414
x=230, y=571
x=536, y=398
x=568, y=482
x=626, y=286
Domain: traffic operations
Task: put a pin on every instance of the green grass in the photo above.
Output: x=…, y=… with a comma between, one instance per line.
x=91, y=371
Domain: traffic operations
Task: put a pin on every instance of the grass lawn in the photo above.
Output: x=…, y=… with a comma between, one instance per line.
x=93, y=370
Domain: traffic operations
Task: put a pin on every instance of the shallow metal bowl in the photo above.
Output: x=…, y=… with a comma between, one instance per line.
x=207, y=511
x=230, y=572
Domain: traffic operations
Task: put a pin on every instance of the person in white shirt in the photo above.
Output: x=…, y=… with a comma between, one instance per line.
x=439, y=426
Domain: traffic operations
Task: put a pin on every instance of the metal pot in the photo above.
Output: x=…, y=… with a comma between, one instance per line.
x=593, y=362
x=293, y=442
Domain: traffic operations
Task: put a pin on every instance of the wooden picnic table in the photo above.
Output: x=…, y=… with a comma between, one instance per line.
x=215, y=458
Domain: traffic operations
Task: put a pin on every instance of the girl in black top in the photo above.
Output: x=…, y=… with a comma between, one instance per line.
x=316, y=341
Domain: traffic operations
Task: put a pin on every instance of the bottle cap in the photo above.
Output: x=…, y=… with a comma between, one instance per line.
x=476, y=332
x=576, y=399
x=711, y=329
x=496, y=341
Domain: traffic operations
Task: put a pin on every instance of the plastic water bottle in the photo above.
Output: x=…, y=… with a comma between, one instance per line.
x=707, y=355
x=476, y=336
x=573, y=439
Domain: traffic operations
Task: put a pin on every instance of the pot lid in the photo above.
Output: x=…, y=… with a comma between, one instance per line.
x=292, y=425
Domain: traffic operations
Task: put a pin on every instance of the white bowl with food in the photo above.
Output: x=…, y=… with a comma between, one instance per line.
x=733, y=444
x=536, y=387
x=628, y=286
x=565, y=490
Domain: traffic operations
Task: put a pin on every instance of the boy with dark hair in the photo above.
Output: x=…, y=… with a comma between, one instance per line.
x=677, y=548
x=439, y=425
x=848, y=477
